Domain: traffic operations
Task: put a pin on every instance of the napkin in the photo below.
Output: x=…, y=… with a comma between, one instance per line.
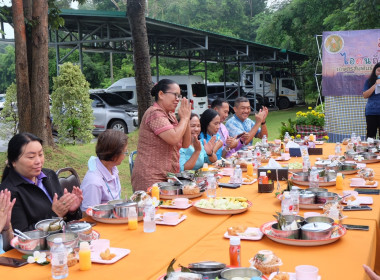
x=273, y=164
x=292, y=144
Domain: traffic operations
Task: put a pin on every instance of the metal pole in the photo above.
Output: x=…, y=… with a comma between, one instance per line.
x=57, y=51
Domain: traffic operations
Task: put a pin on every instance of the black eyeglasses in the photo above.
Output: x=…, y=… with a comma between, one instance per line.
x=177, y=96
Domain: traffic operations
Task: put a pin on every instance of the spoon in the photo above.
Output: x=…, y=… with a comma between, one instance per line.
x=23, y=235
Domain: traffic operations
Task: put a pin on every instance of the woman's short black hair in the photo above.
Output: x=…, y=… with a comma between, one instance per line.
x=372, y=78
x=206, y=118
x=111, y=143
x=15, y=149
x=162, y=85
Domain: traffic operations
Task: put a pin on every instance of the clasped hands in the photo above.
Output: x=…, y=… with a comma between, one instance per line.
x=68, y=202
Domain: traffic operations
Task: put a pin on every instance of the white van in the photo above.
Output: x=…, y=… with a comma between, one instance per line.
x=192, y=87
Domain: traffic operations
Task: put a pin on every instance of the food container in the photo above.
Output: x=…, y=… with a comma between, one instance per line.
x=289, y=234
x=55, y=224
x=301, y=176
x=116, y=201
x=322, y=164
x=208, y=269
x=349, y=166
x=317, y=190
x=350, y=155
x=324, y=197
x=70, y=239
x=83, y=229
x=361, y=149
x=369, y=156
x=333, y=167
x=307, y=197
x=249, y=272
x=37, y=241
x=169, y=189
x=290, y=218
x=319, y=219
x=121, y=210
x=316, y=231
x=102, y=211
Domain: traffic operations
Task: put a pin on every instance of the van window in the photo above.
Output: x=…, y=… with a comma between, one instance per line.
x=199, y=90
x=288, y=84
x=183, y=88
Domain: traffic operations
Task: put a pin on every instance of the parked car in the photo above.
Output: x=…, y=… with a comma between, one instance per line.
x=113, y=112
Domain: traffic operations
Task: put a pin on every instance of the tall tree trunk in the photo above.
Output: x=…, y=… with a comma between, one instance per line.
x=22, y=72
x=136, y=18
x=40, y=73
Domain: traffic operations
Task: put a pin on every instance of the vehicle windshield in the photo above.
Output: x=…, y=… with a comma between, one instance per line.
x=113, y=99
x=199, y=90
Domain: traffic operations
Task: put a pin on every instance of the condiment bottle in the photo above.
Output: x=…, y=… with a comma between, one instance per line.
x=235, y=251
x=339, y=181
x=263, y=179
x=249, y=169
x=155, y=192
x=84, y=256
x=132, y=218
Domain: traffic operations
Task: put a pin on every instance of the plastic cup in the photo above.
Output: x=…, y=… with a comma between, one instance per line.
x=306, y=272
x=181, y=202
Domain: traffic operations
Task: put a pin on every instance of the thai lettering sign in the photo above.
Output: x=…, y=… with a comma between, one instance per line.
x=348, y=58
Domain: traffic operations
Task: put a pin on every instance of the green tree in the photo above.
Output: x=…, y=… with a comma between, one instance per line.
x=7, y=66
x=71, y=108
x=9, y=114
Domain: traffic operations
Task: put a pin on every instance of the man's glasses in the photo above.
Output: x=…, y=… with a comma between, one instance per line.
x=177, y=96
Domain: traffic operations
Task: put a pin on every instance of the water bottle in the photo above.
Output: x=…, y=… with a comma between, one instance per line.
x=353, y=137
x=286, y=137
x=257, y=155
x=211, y=186
x=264, y=141
x=237, y=177
x=149, y=217
x=286, y=204
x=305, y=164
x=59, y=269
x=295, y=196
x=314, y=178
x=338, y=149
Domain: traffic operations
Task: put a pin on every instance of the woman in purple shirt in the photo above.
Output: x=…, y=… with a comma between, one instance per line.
x=101, y=183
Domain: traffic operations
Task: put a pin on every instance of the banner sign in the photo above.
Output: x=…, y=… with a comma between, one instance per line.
x=348, y=58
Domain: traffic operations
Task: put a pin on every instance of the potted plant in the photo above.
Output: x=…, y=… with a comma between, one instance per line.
x=310, y=122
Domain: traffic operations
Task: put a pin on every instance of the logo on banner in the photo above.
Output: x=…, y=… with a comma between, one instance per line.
x=334, y=43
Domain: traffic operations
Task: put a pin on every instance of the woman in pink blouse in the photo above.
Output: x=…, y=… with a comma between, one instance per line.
x=161, y=136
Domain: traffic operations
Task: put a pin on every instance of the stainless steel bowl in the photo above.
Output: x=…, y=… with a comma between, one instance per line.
x=350, y=155
x=290, y=218
x=324, y=197
x=361, y=149
x=349, y=166
x=319, y=219
x=209, y=269
x=229, y=273
x=70, y=239
x=289, y=234
x=116, y=201
x=37, y=240
x=102, y=211
x=335, y=168
x=316, y=231
x=121, y=210
x=301, y=176
x=369, y=156
x=322, y=164
x=307, y=197
x=169, y=189
x=317, y=190
x=54, y=228
x=83, y=229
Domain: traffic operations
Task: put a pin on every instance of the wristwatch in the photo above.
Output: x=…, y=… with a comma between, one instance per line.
x=264, y=122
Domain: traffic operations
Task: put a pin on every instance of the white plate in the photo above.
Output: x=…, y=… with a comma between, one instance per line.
x=176, y=207
x=159, y=220
x=226, y=172
x=363, y=200
x=267, y=230
x=363, y=185
x=249, y=183
x=247, y=234
x=292, y=276
x=119, y=252
x=282, y=159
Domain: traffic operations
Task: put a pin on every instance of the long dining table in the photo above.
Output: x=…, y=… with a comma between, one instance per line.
x=200, y=237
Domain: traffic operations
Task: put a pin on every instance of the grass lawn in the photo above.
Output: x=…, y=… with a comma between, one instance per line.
x=77, y=156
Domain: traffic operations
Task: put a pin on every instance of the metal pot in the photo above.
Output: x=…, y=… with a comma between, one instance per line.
x=83, y=229
x=350, y=155
x=316, y=231
x=169, y=189
x=307, y=197
x=54, y=228
x=289, y=234
x=121, y=210
x=37, y=241
x=349, y=166
x=319, y=219
x=248, y=272
x=324, y=197
x=116, y=201
x=102, y=211
x=209, y=269
x=369, y=156
x=70, y=239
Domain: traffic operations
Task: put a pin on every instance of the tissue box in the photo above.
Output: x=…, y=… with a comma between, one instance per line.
x=315, y=151
x=266, y=188
x=296, y=152
x=282, y=173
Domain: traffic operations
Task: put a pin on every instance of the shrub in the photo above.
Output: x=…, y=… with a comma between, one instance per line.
x=311, y=117
x=9, y=115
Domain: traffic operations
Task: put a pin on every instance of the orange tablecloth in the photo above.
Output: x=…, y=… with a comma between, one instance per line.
x=200, y=237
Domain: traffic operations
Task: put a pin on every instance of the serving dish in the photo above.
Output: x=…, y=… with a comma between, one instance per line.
x=292, y=276
x=162, y=196
x=106, y=220
x=354, y=185
x=267, y=230
x=160, y=221
x=307, y=183
x=248, y=234
x=220, y=211
x=119, y=252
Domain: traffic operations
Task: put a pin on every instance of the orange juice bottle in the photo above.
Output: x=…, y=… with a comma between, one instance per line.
x=339, y=181
x=156, y=192
x=250, y=169
x=84, y=256
x=132, y=218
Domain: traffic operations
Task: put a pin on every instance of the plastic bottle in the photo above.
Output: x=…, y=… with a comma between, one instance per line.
x=84, y=256
x=211, y=186
x=295, y=196
x=377, y=89
x=257, y=155
x=249, y=169
x=353, y=137
x=314, y=178
x=305, y=164
x=286, y=204
x=237, y=177
x=59, y=269
x=156, y=192
x=149, y=217
x=339, y=181
x=235, y=251
x=286, y=137
x=338, y=149
x=132, y=218
x=264, y=140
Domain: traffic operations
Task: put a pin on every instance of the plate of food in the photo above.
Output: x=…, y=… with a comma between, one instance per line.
x=367, y=200
x=223, y=205
x=285, y=276
x=248, y=180
x=364, y=184
x=244, y=233
x=170, y=204
x=109, y=256
x=267, y=230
